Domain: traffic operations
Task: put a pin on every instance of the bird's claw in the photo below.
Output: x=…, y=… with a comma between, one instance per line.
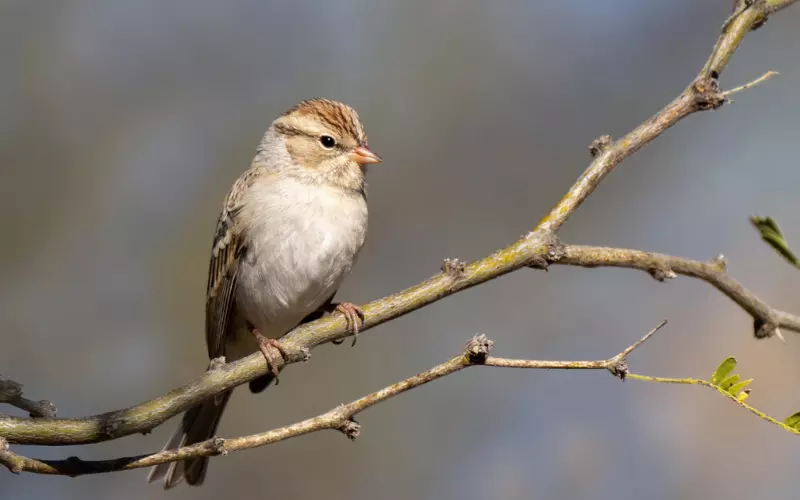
x=264, y=345
x=354, y=316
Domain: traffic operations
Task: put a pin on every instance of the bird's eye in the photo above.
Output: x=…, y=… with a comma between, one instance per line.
x=327, y=141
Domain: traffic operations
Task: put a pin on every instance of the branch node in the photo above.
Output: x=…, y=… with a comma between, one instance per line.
x=44, y=409
x=762, y=4
x=217, y=446
x=298, y=353
x=766, y=328
x=216, y=363
x=706, y=94
x=350, y=428
x=111, y=425
x=599, y=145
x=453, y=267
x=662, y=273
x=619, y=368
x=720, y=262
x=554, y=251
x=478, y=348
x=618, y=365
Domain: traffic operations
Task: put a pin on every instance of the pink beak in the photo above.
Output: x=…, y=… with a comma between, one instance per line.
x=363, y=155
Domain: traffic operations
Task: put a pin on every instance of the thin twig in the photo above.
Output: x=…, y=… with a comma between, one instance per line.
x=476, y=353
x=761, y=79
x=706, y=383
x=642, y=340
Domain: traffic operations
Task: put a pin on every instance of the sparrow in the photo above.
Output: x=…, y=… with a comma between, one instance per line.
x=290, y=230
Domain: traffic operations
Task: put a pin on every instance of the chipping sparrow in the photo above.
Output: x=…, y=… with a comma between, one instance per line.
x=290, y=230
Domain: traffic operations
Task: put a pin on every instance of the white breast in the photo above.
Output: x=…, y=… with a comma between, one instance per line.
x=302, y=240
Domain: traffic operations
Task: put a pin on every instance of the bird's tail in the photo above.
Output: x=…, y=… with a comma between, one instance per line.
x=199, y=424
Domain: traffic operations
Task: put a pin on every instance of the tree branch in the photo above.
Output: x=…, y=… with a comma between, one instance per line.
x=534, y=249
x=773, y=6
x=11, y=393
x=767, y=320
x=476, y=353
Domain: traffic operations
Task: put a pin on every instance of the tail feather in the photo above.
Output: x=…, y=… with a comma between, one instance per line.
x=199, y=424
x=261, y=383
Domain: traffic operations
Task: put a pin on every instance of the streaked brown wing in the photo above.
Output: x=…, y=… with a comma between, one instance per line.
x=226, y=253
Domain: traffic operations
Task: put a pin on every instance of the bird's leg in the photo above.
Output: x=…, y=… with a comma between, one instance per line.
x=264, y=345
x=354, y=316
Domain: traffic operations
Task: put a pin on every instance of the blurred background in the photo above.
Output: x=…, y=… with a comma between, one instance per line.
x=123, y=125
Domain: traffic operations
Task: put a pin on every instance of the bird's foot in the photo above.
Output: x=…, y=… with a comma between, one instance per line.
x=354, y=316
x=264, y=345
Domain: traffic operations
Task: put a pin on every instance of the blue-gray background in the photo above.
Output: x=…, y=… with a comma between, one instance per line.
x=123, y=124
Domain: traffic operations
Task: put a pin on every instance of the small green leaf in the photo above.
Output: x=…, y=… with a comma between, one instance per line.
x=743, y=395
x=766, y=223
x=726, y=384
x=793, y=421
x=723, y=370
x=771, y=233
x=736, y=388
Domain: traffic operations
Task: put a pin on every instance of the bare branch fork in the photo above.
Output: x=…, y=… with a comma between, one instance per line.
x=538, y=248
x=341, y=418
